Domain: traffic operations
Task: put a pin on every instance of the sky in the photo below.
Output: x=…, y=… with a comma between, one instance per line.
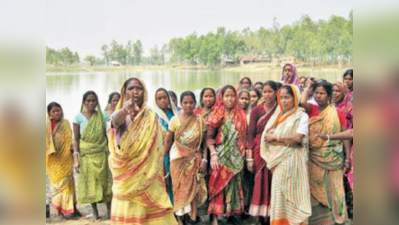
x=85, y=25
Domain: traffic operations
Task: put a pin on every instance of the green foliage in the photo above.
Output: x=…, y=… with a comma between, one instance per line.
x=91, y=59
x=61, y=57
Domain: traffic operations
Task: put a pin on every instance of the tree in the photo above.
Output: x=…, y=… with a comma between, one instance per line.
x=105, y=53
x=137, y=52
x=91, y=59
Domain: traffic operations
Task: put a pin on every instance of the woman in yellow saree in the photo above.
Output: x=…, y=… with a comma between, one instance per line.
x=186, y=133
x=91, y=155
x=284, y=147
x=136, y=162
x=59, y=164
x=327, y=164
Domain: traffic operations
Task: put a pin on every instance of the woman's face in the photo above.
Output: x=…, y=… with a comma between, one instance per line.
x=348, y=80
x=321, y=96
x=288, y=72
x=229, y=98
x=269, y=95
x=135, y=89
x=259, y=87
x=114, y=101
x=254, y=98
x=337, y=94
x=162, y=100
x=287, y=101
x=91, y=103
x=56, y=113
x=245, y=84
x=188, y=104
x=209, y=99
x=243, y=101
x=174, y=100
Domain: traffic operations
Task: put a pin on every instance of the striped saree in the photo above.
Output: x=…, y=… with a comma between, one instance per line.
x=326, y=170
x=59, y=166
x=136, y=164
x=290, y=198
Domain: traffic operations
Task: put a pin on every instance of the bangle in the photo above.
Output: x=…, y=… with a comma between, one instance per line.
x=204, y=160
x=214, y=153
x=76, y=154
x=250, y=160
x=328, y=138
x=306, y=89
x=348, y=161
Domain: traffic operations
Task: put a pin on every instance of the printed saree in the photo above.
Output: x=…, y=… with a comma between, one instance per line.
x=185, y=164
x=59, y=166
x=225, y=186
x=140, y=196
x=326, y=173
x=94, y=180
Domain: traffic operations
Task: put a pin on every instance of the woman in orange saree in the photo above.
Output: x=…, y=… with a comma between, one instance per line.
x=226, y=140
x=186, y=133
x=136, y=162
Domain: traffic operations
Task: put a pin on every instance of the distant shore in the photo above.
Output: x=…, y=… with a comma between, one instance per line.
x=258, y=67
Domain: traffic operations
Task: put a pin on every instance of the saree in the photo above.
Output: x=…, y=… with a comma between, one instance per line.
x=59, y=166
x=225, y=185
x=345, y=105
x=260, y=203
x=136, y=164
x=294, y=79
x=326, y=170
x=164, y=120
x=94, y=179
x=290, y=198
x=186, y=159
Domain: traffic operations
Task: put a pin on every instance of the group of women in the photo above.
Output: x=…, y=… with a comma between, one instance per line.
x=278, y=151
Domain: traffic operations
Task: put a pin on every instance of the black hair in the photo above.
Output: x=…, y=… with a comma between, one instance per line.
x=52, y=105
x=87, y=94
x=173, y=95
x=289, y=90
x=203, y=93
x=245, y=91
x=188, y=93
x=259, y=83
x=162, y=89
x=303, y=77
x=258, y=93
x=272, y=84
x=326, y=85
x=227, y=87
x=246, y=78
x=111, y=96
x=348, y=72
x=279, y=85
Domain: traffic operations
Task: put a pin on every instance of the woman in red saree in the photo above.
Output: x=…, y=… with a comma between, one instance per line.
x=226, y=140
x=260, y=115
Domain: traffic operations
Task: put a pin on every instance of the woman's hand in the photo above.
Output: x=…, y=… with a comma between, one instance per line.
x=251, y=166
x=322, y=136
x=76, y=164
x=130, y=107
x=203, y=167
x=270, y=137
x=347, y=167
x=215, y=162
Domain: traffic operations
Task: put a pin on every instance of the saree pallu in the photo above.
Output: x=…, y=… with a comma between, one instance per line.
x=290, y=198
x=59, y=166
x=185, y=164
x=140, y=196
x=225, y=186
x=326, y=173
x=260, y=204
x=94, y=179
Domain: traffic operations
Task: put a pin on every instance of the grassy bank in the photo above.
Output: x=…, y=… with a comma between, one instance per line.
x=254, y=68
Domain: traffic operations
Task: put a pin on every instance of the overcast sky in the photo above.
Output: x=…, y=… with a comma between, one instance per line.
x=85, y=25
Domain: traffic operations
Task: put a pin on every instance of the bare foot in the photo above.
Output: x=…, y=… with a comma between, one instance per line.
x=215, y=220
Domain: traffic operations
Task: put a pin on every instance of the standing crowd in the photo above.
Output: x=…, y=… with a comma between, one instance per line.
x=278, y=151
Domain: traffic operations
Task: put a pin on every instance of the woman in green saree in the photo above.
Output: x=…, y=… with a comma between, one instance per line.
x=91, y=155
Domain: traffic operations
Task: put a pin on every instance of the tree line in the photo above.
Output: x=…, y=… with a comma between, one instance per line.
x=312, y=42
x=61, y=57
